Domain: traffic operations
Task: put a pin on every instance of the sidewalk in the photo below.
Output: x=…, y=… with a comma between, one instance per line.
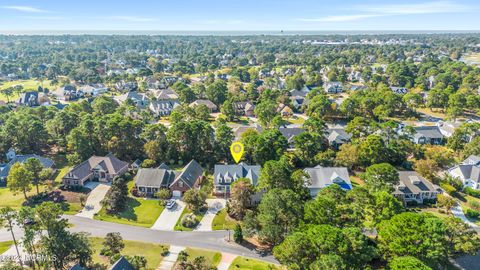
x=169, y=261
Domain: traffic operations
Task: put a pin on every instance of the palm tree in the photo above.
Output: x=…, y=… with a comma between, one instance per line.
x=7, y=217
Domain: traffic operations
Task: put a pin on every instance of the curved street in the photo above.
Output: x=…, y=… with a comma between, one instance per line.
x=215, y=240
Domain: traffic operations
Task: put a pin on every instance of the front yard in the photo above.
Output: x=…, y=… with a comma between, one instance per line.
x=223, y=222
x=138, y=212
x=212, y=258
x=152, y=252
x=186, y=211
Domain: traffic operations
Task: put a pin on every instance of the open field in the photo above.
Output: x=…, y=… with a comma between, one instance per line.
x=27, y=85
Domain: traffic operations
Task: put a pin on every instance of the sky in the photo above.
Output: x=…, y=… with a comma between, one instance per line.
x=238, y=15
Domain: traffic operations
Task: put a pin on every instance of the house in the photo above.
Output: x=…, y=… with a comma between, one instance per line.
x=32, y=99
x=333, y=87
x=320, y=177
x=139, y=99
x=165, y=94
x=96, y=168
x=244, y=108
x=122, y=264
x=210, y=105
x=94, y=89
x=290, y=133
x=399, y=90
x=447, y=128
x=136, y=164
x=413, y=188
x=238, y=131
x=297, y=101
x=428, y=135
x=126, y=86
x=149, y=181
x=284, y=110
x=190, y=177
x=68, y=92
x=337, y=137
x=225, y=175
x=13, y=158
x=162, y=107
x=468, y=172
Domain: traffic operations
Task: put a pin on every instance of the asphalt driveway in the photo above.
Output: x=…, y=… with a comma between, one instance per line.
x=168, y=218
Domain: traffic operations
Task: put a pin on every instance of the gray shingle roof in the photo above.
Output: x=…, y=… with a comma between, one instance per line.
x=236, y=171
x=122, y=264
x=338, y=135
x=153, y=177
x=472, y=159
x=5, y=168
x=432, y=132
x=189, y=174
x=322, y=177
x=109, y=163
x=412, y=183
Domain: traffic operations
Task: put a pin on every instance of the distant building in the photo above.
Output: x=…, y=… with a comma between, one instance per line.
x=468, y=172
x=337, y=137
x=333, y=87
x=399, y=90
x=210, y=105
x=428, y=135
x=244, y=108
x=13, y=158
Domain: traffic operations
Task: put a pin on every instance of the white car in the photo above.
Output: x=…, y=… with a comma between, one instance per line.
x=170, y=204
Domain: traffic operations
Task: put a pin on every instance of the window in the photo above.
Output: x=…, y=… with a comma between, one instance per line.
x=180, y=183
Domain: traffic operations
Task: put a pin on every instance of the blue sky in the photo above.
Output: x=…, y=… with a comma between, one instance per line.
x=228, y=15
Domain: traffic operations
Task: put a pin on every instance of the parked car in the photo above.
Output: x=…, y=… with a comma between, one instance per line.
x=170, y=204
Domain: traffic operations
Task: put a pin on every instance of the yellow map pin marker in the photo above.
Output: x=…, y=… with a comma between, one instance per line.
x=237, y=151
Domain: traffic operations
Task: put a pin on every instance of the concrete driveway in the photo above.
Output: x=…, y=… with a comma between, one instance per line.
x=214, y=206
x=93, y=203
x=168, y=218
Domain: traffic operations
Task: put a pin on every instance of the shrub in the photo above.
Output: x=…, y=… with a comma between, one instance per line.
x=148, y=163
x=238, y=234
x=189, y=221
x=472, y=192
x=449, y=189
x=472, y=213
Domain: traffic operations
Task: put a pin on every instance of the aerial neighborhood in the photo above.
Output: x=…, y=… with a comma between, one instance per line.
x=349, y=144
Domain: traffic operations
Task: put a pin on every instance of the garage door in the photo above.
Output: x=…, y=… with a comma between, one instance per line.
x=177, y=193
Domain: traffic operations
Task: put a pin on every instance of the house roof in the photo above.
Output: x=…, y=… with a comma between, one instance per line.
x=189, y=174
x=236, y=171
x=322, y=177
x=290, y=133
x=154, y=177
x=467, y=171
x=133, y=95
x=166, y=94
x=122, y=264
x=412, y=183
x=108, y=163
x=5, y=168
x=472, y=159
x=205, y=102
x=432, y=132
x=242, y=129
x=76, y=267
x=338, y=135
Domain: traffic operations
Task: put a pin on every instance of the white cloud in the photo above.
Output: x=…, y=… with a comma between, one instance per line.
x=394, y=10
x=26, y=9
x=132, y=18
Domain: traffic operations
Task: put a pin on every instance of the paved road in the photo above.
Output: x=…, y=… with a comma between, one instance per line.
x=93, y=204
x=215, y=240
x=214, y=206
x=169, y=217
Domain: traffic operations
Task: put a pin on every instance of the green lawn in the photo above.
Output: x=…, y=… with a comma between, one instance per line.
x=152, y=252
x=8, y=199
x=213, y=258
x=250, y=264
x=4, y=246
x=72, y=208
x=27, y=86
x=61, y=173
x=198, y=217
x=139, y=212
x=223, y=222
